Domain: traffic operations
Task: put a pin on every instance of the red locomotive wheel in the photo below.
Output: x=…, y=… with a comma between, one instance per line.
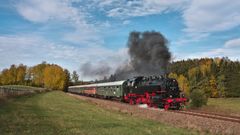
x=131, y=102
x=166, y=107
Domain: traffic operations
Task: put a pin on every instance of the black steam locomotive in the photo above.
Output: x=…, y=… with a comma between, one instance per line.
x=155, y=91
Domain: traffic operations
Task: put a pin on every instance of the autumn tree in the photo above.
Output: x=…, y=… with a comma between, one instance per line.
x=21, y=73
x=9, y=75
x=205, y=69
x=54, y=77
x=37, y=73
x=193, y=76
x=43, y=75
x=221, y=85
x=213, y=87
x=184, y=84
x=5, y=77
x=173, y=75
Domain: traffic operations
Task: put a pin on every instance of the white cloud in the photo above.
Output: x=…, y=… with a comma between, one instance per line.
x=233, y=43
x=84, y=31
x=31, y=50
x=84, y=37
x=204, y=18
x=189, y=38
x=211, y=16
x=104, y=3
x=200, y=16
x=43, y=11
x=125, y=9
x=126, y=22
x=231, y=49
x=60, y=11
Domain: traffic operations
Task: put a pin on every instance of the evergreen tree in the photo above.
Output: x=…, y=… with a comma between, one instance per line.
x=75, y=77
x=67, y=80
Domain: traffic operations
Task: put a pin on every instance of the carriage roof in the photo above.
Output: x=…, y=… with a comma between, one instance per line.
x=116, y=83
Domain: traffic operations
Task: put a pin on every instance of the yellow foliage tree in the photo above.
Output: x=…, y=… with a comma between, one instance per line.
x=54, y=77
x=217, y=61
x=213, y=86
x=173, y=75
x=5, y=77
x=184, y=84
x=38, y=74
x=205, y=69
x=21, y=72
x=9, y=75
x=193, y=72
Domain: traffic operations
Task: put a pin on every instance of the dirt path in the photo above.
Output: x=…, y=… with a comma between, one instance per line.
x=179, y=120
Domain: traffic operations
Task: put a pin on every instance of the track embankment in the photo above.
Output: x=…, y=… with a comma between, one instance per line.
x=184, y=120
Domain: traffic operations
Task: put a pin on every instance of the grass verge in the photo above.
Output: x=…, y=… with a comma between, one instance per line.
x=229, y=106
x=57, y=113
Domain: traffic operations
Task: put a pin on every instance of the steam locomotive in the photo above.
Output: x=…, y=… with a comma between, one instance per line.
x=155, y=91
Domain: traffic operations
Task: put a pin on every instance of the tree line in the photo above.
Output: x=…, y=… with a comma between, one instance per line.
x=50, y=76
x=211, y=77
x=214, y=77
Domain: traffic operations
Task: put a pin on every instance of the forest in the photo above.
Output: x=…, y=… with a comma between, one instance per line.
x=216, y=77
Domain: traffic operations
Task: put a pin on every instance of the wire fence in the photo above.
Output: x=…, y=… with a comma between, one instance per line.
x=11, y=91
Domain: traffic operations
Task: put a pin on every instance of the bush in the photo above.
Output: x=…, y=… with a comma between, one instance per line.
x=197, y=98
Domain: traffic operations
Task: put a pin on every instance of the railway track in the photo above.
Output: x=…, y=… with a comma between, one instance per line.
x=235, y=119
x=210, y=115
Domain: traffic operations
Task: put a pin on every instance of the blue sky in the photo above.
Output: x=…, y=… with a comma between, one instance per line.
x=73, y=32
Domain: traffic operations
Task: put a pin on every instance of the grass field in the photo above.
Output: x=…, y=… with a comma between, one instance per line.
x=57, y=113
x=224, y=105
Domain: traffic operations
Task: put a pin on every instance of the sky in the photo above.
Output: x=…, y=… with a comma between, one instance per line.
x=71, y=33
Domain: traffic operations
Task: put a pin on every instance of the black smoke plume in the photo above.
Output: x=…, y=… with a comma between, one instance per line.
x=100, y=71
x=149, y=55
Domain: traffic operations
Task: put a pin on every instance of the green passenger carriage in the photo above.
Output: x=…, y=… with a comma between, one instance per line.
x=106, y=90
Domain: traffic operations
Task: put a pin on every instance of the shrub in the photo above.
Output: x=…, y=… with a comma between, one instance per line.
x=197, y=98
